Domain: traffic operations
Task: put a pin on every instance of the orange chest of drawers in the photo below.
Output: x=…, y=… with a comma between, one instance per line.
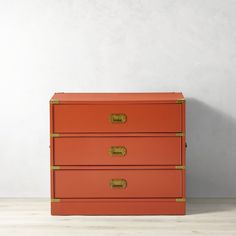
x=117, y=153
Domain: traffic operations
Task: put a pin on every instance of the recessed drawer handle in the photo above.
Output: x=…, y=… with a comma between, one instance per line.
x=117, y=151
x=118, y=118
x=118, y=183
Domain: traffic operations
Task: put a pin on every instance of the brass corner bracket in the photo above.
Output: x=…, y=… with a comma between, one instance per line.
x=179, y=134
x=54, y=101
x=180, y=167
x=54, y=135
x=55, y=199
x=55, y=167
x=180, y=200
x=180, y=101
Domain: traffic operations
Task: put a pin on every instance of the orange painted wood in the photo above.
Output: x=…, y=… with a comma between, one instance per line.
x=140, y=150
x=95, y=118
x=153, y=151
x=118, y=207
x=118, y=167
x=183, y=153
x=51, y=153
x=96, y=183
x=101, y=98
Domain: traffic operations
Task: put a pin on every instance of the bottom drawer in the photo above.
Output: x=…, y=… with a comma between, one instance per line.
x=118, y=183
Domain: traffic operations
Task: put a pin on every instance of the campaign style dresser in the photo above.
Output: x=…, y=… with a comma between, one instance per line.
x=117, y=153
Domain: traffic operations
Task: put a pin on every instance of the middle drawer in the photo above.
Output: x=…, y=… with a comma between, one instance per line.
x=153, y=150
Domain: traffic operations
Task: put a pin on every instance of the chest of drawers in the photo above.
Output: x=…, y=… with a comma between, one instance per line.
x=117, y=153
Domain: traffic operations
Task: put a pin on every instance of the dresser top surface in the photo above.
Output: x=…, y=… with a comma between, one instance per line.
x=118, y=97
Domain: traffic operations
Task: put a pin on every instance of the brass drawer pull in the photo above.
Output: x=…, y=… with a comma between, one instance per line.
x=117, y=151
x=118, y=183
x=118, y=118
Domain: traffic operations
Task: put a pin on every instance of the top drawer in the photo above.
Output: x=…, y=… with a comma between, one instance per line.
x=86, y=118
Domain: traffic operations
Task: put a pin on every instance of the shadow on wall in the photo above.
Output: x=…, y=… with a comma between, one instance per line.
x=211, y=152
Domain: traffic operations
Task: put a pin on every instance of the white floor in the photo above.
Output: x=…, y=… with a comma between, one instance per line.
x=32, y=217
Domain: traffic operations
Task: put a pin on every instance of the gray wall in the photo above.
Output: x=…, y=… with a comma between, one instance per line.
x=145, y=45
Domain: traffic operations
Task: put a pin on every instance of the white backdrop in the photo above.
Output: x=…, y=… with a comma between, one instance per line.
x=118, y=46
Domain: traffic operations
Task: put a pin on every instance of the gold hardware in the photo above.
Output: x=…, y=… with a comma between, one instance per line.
x=180, y=167
x=180, y=101
x=54, y=101
x=55, y=167
x=118, y=183
x=180, y=200
x=54, y=135
x=179, y=134
x=55, y=200
x=118, y=118
x=117, y=151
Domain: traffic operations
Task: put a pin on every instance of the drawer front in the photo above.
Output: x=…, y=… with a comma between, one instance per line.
x=79, y=118
x=118, y=183
x=117, y=151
